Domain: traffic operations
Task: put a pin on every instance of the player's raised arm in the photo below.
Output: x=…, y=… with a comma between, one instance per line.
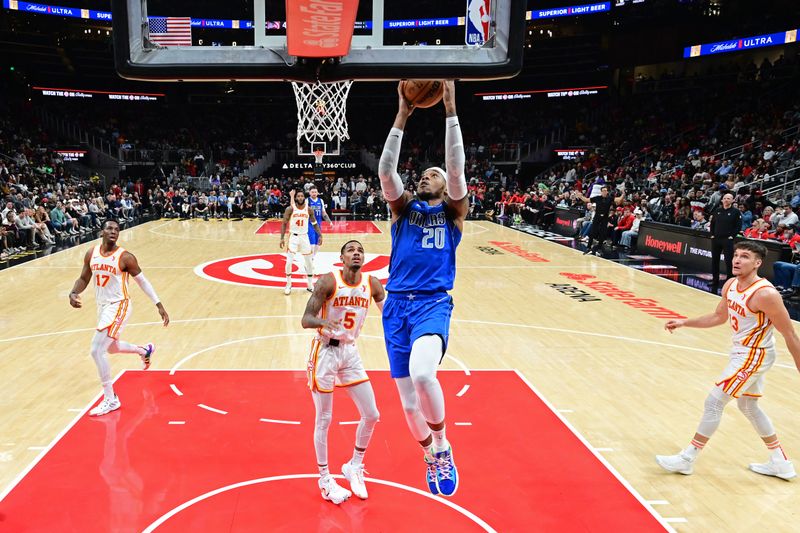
x=391, y=184
x=129, y=264
x=457, y=202
x=82, y=282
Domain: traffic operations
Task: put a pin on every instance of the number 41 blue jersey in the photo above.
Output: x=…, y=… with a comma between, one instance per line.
x=424, y=242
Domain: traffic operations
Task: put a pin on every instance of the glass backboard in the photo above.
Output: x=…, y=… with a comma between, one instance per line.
x=178, y=40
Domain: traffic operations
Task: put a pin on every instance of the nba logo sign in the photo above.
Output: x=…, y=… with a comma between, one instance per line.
x=478, y=21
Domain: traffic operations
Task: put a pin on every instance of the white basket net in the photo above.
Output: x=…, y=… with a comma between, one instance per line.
x=321, y=110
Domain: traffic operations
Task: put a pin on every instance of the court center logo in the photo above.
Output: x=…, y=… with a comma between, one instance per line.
x=269, y=270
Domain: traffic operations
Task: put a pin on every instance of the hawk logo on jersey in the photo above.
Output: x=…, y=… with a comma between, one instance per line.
x=743, y=375
x=269, y=270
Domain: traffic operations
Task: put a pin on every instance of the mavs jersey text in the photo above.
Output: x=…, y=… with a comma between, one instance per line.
x=428, y=230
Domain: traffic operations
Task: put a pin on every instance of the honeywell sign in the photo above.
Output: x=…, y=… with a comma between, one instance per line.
x=663, y=245
x=320, y=28
x=691, y=248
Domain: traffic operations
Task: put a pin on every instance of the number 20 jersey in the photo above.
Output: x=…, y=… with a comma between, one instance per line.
x=424, y=242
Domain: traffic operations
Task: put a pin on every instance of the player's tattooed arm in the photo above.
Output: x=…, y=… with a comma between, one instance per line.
x=323, y=289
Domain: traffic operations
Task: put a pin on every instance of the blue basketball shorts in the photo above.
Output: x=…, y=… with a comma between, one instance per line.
x=409, y=316
x=312, y=236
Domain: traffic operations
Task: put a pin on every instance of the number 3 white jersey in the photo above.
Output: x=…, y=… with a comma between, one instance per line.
x=750, y=329
x=349, y=304
x=298, y=223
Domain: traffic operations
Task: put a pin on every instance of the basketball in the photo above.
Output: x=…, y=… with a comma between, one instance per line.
x=422, y=93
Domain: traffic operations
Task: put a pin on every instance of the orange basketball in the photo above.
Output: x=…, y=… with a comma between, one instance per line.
x=422, y=93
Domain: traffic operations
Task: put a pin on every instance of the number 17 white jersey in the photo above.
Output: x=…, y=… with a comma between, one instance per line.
x=110, y=282
x=349, y=304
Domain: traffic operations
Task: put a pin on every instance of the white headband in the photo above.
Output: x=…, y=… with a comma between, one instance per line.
x=439, y=170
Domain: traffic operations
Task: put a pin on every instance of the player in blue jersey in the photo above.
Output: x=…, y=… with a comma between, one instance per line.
x=317, y=204
x=426, y=229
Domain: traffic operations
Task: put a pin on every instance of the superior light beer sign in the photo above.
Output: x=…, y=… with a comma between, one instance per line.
x=745, y=43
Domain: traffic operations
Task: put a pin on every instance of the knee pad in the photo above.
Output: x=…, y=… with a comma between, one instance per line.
x=323, y=420
x=372, y=417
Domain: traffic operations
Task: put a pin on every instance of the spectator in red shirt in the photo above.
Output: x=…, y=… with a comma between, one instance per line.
x=791, y=238
x=515, y=202
x=624, y=223
x=758, y=230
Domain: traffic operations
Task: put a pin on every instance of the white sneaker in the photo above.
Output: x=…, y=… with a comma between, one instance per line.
x=106, y=406
x=331, y=490
x=288, y=290
x=679, y=463
x=355, y=476
x=781, y=469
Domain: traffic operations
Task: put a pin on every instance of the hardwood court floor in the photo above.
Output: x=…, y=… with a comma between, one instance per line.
x=587, y=333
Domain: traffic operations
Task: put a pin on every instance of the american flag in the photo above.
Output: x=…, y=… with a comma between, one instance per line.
x=170, y=31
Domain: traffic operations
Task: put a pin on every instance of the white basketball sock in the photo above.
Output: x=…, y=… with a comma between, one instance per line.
x=440, y=443
x=358, y=457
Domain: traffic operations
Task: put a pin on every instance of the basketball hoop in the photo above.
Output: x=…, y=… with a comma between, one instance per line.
x=318, y=155
x=321, y=120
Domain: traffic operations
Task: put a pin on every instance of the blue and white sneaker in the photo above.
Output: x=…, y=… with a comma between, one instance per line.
x=430, y=474
x=446, y=472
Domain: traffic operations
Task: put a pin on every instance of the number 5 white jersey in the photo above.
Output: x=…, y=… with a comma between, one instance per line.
x=349, y=304
x=751, y=330
x=110, y=282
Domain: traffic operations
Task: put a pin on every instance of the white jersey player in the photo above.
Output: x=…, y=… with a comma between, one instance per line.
x=298, y=216
x=110, y=266
x=753, y=308
x=337, y=310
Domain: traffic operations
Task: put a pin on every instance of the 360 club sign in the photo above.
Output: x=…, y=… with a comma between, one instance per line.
x=269, y=270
